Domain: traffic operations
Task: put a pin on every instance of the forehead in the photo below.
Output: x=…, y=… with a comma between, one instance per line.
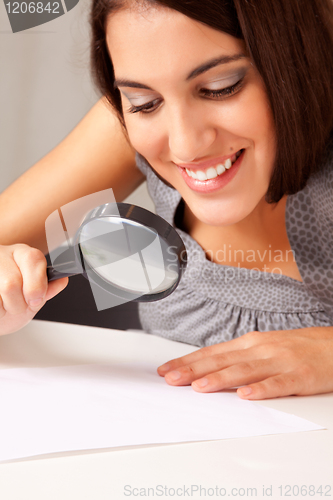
x=162, y=41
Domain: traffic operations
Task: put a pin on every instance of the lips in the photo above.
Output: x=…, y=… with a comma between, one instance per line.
x=211, y=185
x=204, y=165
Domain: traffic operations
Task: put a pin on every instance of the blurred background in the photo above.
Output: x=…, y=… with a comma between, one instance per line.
x=45, y=90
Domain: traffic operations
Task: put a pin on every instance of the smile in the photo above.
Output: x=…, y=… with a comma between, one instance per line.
x=213, y=177
x=212, y=172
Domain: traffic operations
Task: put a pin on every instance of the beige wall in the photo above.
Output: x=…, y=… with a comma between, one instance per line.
x=45, y=89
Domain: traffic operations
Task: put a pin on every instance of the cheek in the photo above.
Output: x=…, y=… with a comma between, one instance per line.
x=259, y=122
x=141, y=133
x=143, y=136
x=248, y=117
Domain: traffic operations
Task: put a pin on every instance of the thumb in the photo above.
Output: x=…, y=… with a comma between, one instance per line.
x=56, y=287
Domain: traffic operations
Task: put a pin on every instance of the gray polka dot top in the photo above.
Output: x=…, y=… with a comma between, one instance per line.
x=214, y=303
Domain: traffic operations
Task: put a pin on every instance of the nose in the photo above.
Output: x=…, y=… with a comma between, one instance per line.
x=190, y=134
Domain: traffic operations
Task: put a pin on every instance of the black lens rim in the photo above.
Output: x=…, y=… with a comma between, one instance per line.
x=146, y=218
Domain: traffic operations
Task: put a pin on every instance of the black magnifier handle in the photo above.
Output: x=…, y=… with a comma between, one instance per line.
x=56, y=274
x=64, y=266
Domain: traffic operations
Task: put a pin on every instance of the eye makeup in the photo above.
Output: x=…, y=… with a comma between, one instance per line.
x=223, y=81
x=217, y=87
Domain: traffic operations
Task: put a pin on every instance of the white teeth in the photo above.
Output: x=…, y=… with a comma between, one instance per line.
x=212, y=172
x=220, y=169
x=228, y=164
x=201, y=175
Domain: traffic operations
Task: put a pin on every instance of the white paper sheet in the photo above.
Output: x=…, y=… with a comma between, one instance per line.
x=47, y=410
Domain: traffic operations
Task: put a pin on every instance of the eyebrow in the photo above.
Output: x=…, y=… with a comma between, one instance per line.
x=196, y=72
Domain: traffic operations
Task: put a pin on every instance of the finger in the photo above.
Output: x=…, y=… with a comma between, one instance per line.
x=286, y=384
x=185, y=375
x=204, y=352
x=11, y=283
x=2, y=309
x=56, y=287
x=243, y=373
x=246, y=341
x=32, y=265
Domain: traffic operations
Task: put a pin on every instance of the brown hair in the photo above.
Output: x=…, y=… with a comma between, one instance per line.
x=291, y=44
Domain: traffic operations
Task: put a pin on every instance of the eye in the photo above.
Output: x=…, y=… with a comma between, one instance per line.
x=148, y=107
x=151, y=106
x=223, y=93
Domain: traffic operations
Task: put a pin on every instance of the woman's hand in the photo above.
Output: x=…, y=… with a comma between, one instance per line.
x=24, y=288
x=266, y=364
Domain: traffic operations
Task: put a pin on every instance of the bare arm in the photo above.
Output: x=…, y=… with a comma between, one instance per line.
x=93, y=157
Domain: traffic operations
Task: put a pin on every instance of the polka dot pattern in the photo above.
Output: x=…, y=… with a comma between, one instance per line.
x=215, y=303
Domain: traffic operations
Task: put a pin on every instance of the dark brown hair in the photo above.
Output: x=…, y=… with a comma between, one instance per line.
x=291, y=44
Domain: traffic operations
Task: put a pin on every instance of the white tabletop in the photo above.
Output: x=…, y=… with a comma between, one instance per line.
x=258, y=467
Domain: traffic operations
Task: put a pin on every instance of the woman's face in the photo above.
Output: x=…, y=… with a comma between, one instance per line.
x=192, y=99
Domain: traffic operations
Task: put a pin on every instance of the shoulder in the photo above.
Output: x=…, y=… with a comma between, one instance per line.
x=309, y=212
x=320, y=185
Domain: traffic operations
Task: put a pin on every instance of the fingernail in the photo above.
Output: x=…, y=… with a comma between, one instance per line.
x=174, y=375
x=201, y=383
x=245, y=391
x=35, y=302
x=164, y=368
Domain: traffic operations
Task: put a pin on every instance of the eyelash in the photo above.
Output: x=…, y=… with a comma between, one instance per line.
x=217, y=94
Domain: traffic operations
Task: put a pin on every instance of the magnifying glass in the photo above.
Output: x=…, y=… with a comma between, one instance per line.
x=125, y=250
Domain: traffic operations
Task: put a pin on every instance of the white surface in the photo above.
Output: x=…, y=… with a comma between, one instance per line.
x=304, y=458
x=49, y=410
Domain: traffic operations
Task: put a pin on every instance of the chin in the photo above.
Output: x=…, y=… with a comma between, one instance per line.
x=218, y=218
x=222, y=212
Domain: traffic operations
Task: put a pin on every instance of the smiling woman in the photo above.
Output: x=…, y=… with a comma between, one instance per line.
x=226, y=108
x=229, y=107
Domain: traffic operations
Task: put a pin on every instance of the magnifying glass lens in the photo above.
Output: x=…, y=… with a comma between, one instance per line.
x=129, y=255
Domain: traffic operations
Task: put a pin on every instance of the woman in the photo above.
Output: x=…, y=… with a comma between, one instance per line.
x=229, y=107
